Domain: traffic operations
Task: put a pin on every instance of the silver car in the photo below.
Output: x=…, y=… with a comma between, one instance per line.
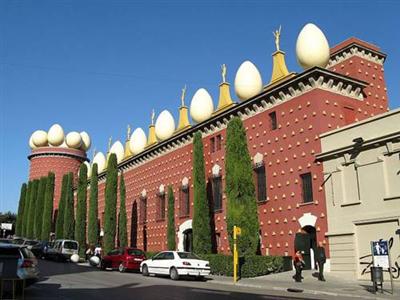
x=27, y=265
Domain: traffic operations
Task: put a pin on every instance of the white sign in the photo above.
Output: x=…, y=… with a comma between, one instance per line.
x=6, y=226
x=380, y=253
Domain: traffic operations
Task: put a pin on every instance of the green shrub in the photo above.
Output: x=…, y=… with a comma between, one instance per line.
x=250, y=266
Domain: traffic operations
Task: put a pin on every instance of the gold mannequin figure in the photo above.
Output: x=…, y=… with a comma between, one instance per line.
x=277, y=35
x=109, y=144
x=183, y=96
x=223, y=68
x=128, y=132
x=152, y=117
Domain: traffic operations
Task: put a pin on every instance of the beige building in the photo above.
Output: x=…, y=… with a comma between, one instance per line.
x=362, y=185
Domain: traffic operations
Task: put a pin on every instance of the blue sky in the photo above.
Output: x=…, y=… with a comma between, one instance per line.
x=100, y=65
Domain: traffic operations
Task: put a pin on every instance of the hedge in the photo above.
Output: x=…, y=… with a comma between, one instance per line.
x=250, y=266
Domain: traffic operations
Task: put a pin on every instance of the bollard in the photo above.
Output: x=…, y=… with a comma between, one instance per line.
x=377, y=278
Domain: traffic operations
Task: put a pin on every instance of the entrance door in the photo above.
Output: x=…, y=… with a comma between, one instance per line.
x=305, y=241
x=188, y=240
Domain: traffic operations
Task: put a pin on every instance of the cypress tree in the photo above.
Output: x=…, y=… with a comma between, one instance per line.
x=69, y=209
x=171, y=220
x=39, y=208
x=21, y=205
x=61, y=208
x=123, y=235
x=201, y=213
x=48, y=208
x=93, y=229
x=25, y=216
x=240, y=190
x=32, y=209
x=110, y=212
x=81, y=207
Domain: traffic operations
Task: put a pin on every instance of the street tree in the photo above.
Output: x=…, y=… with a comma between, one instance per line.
x=61, y=208
x=69, y=220
x=81, y=208
x=93, y=227
x=122, y=230
x=21, y=205
x=48, y=207
x=110, y=212
x=171, y=220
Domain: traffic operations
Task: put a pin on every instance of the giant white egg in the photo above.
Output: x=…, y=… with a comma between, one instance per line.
x=39, y=138
x=137, y=141
x=55, y=135
x=73, y=140
x=165, y=125
x=119, y=151
x=31, y=144
x=94, y=261
x=202, y=106
x=248, y=82
x=100, y=160
x=85, y=141
x=74, y=258
x=312, y=48
x=89, y=169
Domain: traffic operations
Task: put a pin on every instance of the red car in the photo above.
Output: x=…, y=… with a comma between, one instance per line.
x=123, y=259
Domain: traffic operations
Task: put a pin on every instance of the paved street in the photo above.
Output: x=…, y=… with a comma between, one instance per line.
x=70, y=281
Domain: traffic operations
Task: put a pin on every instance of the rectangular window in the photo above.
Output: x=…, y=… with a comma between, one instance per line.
x=349, y=114
x=184, y=202
x=161, y=207
x=212, y=145
x=218, y=142
x=306, y=184
x=143, y=210
x=217, y=193
x=273, y=122
x=261, y=183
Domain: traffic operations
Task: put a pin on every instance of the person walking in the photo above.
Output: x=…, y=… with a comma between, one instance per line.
x=299, y=263
x=321, y=259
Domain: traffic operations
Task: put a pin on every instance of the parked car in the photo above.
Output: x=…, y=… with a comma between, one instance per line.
x=123, y=259
x=40, y=249
x=62, y=250
x=27, y=265
x=25, y=242
x=6, y=241
x=175, y=264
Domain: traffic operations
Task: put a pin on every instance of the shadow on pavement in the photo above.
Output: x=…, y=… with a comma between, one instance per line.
x=50, y=268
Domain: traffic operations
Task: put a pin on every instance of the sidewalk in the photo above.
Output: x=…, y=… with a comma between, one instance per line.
x=336, y=285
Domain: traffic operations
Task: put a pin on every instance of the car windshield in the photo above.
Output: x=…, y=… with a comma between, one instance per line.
x=30, y=243
x=5, y=241
x=27, y=253
x=70, y=245
x=135, y=252
x=188, y=255
x=18, y=242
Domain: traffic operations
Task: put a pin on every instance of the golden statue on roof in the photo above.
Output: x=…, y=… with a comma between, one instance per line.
x=183, y=96
x=153, y=115
x=223, y=71
x=277, y=35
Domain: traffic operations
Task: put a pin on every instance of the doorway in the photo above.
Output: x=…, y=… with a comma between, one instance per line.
x=188, y=240
x=306, y=242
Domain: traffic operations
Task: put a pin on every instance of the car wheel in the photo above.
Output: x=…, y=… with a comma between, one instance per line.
x=121, y=267
x=102, y=265
x=173, y=273
x=145, y=270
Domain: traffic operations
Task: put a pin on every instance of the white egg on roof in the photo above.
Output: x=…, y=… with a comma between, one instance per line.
x=119, y=151
x=39, y=138
x=202, y=106
x=31, y=144
x=312, y=48
x=138, y=141
x=86, y=142
x=89, y=168
x=165, y=125
x=100, y=160
x=73, y=140
x=248, y=82
x=55, y=135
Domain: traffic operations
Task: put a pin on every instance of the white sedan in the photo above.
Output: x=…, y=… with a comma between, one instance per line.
x=175, y=264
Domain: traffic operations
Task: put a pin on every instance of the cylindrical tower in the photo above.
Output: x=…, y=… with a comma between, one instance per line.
x=58, y=160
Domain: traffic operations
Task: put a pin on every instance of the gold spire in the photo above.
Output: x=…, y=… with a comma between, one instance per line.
x=225, y=99
x=152, y=139
x=183, y=113
x=279, y=69
x=127, y=152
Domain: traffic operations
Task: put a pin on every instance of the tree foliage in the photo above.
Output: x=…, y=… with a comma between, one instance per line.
x=201, y=214
x=171, y=220
x=25, y=216
x=48, y=208
x=61, y=208
x=122, y=230
x=39, y=208
x=81, y=207
x=110, y=212
x=21, y=205
x=240, y=190
x=69, y=209
x=32, y=209
x=93, y=227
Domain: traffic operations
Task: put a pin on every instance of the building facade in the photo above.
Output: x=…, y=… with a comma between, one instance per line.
x=362, y=186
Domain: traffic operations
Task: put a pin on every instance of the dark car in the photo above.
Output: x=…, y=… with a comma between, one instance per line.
x=40, y=249
x=123, y=259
